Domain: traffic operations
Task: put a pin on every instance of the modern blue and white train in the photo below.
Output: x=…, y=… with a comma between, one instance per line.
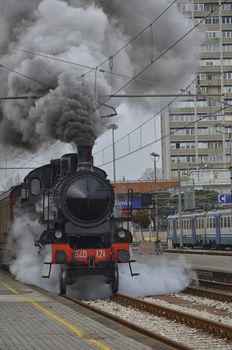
x=209, y=229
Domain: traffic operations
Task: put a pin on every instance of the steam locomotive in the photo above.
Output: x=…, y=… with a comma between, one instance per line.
x=77, y=204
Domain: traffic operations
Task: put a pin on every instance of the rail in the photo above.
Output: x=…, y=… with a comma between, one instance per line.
x=173, y=344
x=208, y=326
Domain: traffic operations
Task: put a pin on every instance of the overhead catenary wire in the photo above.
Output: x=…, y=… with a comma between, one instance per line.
x=97, y=68
x=26, y=76
x=201, y=117
x=155, y=60
x=159, y=56
x=155, y=141
x=104, y=71
x=134, y=37
x=150, y=118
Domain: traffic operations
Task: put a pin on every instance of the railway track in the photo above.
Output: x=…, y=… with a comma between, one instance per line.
x=210, y=294
x=200, y=323
x=214, y=290
x=165, y=340
x=216, y=285
x=203, y=325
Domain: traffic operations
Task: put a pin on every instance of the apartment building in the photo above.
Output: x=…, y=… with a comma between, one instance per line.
x=200, y=125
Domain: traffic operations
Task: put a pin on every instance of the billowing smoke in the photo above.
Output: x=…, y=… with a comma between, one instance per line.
x=86, y=32
x=158, y=276
x=27, y=265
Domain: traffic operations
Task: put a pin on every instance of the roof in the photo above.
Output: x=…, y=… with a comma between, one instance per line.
x=144, y=187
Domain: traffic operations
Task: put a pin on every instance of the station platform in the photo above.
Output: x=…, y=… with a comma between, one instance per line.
x=199, y=251
x=31, y=319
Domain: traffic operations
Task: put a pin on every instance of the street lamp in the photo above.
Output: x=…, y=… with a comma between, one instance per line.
x=155, y=157
x=113, y=127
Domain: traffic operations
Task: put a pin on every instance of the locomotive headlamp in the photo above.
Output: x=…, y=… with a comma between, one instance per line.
x=121, y=234
x=58, y=234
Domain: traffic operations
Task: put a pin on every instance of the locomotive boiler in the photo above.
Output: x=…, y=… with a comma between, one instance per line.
x=77, y=204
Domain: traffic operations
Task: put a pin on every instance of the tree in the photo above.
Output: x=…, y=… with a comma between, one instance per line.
x=149, y=175
x=13, y=181
x=142, y=218
x=206, y=200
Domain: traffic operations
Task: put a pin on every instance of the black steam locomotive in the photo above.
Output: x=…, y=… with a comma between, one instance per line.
x=77, y=204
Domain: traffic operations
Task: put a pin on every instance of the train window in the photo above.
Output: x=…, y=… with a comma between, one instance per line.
x=221, y=220
x=35, y=187
x=225, y=222
x=207, y=222
x=214, y=222
x=210, y=223
x=229, y=221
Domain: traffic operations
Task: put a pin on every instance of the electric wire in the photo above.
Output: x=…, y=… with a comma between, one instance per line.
x=135, y=37
x=159, y=56
x=26, y=76
x=147, y=81
x=138, y=74
x=167, y=135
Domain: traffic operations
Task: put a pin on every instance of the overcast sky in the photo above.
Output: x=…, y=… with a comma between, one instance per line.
x=87, y=32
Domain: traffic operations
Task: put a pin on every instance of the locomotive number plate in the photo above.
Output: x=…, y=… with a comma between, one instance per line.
x=100, y=254
x=83, y=254
x=80, y=254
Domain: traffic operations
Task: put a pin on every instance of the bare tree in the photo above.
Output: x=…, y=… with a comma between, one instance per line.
x=13, y=181
x=149, y=175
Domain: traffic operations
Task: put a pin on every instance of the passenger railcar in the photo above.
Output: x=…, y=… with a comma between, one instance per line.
x=210, y=229
x=8, y=201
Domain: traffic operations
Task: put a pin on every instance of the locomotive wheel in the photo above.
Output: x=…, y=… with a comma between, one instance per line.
x=63, y=280
x=115, y=279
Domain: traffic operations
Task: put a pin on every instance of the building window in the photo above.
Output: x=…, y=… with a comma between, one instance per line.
x=198, y=7
x=212, y=34
x=227, y=48
x=228, y=75
x=227, y=34
x=227, y=61
x=209, y=47
x=227, y=7
x=213, y=20
x=185, y=7
x=210, y=62
x=227, y=89
x=226, y=20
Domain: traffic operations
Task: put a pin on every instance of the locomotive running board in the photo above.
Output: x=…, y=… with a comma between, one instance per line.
x=49, y=270
x=132, y=274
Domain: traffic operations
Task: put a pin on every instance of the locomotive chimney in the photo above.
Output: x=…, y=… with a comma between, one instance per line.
x=85, y=159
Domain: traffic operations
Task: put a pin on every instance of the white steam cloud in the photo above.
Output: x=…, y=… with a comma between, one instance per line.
x=86, y=32
x=157, y=277
x=27, y=265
